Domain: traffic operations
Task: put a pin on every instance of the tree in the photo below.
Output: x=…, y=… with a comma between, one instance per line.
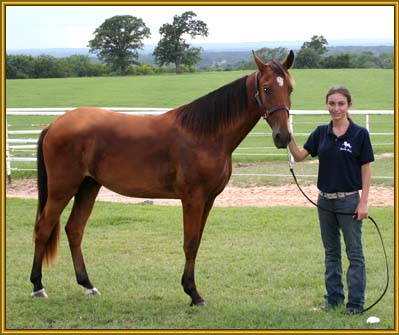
x=307, y=59
x=172, y=48
x=19, y=66
x=46, y=66
x=117, y=41
x=317, y=43
x=309, y=55
x=365, y=59
x=338, y=61
x=387, y=60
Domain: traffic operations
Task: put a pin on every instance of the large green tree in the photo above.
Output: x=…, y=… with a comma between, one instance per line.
x=316, y=43
x=117, y=40
x=309, y=56
x=172, y=48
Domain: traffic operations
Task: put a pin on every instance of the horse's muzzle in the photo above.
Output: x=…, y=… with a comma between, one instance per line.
x=281, y=141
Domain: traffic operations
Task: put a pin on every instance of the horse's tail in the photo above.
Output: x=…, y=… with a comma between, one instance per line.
x=52, y=243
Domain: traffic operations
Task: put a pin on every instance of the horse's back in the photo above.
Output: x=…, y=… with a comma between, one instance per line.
x=141, y=156
x=126, y=153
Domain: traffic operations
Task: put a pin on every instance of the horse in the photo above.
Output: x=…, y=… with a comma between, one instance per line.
x=185, y=153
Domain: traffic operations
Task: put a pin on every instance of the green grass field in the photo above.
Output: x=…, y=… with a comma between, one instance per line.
x=167, y=91
x=257, y=268
x=174, y=90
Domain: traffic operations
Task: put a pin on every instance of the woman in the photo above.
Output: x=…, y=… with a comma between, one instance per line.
x=345, y=153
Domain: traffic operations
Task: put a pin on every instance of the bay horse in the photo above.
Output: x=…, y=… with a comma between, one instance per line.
x=184, y=154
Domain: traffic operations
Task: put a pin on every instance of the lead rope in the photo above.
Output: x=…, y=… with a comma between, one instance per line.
x=291, y=166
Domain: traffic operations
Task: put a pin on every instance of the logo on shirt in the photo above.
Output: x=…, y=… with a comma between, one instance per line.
x=346, y=146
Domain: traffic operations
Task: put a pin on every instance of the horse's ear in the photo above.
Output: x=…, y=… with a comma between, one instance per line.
x=258, y=62
x=289, y=60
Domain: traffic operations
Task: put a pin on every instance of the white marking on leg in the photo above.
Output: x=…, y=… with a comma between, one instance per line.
x=39, y=294
x=92, y=291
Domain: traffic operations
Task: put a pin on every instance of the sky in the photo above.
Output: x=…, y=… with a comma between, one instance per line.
x=37, y=27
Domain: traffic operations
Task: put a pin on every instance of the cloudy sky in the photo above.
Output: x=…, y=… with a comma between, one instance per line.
x=72, y=26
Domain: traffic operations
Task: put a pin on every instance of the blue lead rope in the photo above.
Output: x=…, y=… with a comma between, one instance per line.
x=291, y=166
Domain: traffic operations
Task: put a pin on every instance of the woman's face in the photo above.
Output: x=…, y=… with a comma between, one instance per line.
x=338, y=106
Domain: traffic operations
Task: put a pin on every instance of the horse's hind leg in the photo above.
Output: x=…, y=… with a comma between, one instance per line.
x=46, y=239
x=83, y=205
x=195, y=214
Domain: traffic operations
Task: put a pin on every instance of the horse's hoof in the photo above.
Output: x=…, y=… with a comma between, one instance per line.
x=39, y=294
x=200, y=303
x=92, y=291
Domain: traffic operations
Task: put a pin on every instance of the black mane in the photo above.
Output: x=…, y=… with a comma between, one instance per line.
x=216, y=110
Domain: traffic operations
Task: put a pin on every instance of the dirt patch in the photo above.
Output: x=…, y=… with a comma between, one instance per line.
x=262, y=196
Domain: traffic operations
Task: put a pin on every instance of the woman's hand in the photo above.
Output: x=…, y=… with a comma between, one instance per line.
x=362, y=211
x=362, y=208
x=299, y=154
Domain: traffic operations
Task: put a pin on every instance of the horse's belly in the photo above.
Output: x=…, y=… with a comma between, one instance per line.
x=139, y=180
x=141, y=191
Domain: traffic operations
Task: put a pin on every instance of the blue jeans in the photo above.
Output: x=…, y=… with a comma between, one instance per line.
x=330, y=226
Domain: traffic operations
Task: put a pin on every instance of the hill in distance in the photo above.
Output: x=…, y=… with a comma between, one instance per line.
x=350, y=45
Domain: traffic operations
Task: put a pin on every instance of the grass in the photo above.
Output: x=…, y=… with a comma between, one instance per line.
x=257, y=268
x=173, y=90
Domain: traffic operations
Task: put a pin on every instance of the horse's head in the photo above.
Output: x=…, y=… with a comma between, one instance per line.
x=273, y=85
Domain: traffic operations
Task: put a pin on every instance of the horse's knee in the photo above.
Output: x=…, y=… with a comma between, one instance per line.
x=74, y=236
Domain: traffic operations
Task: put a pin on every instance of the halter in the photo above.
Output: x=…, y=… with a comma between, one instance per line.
x=268, y=112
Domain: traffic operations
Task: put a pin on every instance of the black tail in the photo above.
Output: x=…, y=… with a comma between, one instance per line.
x=41, y=175
x=42, y=188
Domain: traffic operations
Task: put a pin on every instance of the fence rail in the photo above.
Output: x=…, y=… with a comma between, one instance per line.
x=29, y=144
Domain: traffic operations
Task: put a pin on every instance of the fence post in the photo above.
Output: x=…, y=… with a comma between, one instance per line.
x=8, y=161
x=368, y=122
x=291, y=118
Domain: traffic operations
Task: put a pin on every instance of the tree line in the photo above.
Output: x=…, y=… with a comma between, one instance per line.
x=46, y=66
x=312, y=55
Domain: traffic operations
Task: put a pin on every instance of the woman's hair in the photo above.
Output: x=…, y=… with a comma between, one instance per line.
x=342, y=90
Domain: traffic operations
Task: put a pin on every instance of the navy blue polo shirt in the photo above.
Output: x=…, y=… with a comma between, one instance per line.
x=340, y=158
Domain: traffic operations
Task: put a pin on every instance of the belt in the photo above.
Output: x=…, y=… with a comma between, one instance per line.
x=336, y=195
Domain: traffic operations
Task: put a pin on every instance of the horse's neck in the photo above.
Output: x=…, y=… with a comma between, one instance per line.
x=237, y=132
x=240, y=128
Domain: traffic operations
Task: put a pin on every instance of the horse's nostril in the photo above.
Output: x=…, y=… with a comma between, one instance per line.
x=281, y=141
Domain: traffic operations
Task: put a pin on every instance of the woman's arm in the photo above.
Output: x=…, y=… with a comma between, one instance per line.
x=362, y=208
x=299, y=154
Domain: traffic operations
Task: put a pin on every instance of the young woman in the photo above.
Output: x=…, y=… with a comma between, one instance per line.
x=345, y=153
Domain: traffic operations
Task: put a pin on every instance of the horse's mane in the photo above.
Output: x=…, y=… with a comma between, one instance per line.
x=216, y=110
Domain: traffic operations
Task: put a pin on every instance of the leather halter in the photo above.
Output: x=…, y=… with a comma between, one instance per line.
x=270, y=111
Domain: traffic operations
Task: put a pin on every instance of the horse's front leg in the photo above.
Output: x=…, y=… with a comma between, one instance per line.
x=193, y=210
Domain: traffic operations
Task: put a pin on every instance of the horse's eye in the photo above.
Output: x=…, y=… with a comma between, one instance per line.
x=267, y=90
x=290, y=89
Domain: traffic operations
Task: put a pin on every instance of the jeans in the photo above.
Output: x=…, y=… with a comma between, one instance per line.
x=330, y=226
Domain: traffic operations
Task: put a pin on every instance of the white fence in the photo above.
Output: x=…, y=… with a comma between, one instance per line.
x=29, y=144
